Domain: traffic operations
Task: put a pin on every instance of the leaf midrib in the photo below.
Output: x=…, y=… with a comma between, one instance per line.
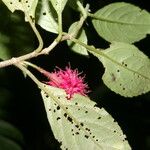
x=115, y=21
x=124, y=67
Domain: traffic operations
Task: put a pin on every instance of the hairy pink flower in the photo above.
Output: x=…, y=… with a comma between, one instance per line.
x=69, y=80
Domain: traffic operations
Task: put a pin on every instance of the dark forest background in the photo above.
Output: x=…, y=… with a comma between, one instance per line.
x=20, y=101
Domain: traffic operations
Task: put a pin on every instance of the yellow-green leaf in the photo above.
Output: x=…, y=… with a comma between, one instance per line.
x=79, y=125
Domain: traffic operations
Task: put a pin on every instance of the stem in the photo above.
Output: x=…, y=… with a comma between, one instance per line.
x=58, y=39
x=32, y=24
x=89, y=48
x=41, y=70
x=24, y=69
x=82, y=19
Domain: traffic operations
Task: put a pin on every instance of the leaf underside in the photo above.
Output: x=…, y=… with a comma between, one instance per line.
x=46, y=16
x=78, y=124
x=28, y=6
x=122, y=22
x=80, y=36
x=127, y=70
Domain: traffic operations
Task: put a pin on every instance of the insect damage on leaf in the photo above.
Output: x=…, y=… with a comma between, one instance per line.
x=79, y=124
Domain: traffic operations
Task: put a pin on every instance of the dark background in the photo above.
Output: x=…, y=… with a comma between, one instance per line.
x=26, y=110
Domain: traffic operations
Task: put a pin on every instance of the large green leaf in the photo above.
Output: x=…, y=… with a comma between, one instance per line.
x=79, y=125
x=58, y=5
x=46, y=16
x=24, y=5
x=122, y=22
x=80, y=36
x=127, y=70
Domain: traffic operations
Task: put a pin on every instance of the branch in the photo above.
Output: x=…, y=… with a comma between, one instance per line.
x=45, y=51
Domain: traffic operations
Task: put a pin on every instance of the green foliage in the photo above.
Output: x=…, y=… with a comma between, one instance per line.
x=79, y=124
x=58, y=5
x=122, y=22
x=9, y=137
x=80, y=36
x=4, y=51
x=23, y=5
x=14, y=35
x=127, y=70
x=46, y=16
x=73, y=4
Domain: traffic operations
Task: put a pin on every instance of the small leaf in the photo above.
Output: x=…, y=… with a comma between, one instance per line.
x=24, y=5
x=46, y=16
x=122, y=22
x=80, y=36
x=127, y=70
x=58, y=5
x=79, y=125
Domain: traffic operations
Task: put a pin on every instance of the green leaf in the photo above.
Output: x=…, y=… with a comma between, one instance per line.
x=127, y=70
x=80, y=36
x=58, y=5
x=46, y=16
x=10, y=137
x=79, y=125
x=7, y=144
x=24, y=5
x=122, y=22
x=4, y=50
x=11, y=132
x=73, y=4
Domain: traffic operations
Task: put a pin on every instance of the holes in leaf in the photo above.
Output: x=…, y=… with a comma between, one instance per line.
x=118, y=70
x=26, y=1
x=97, y=140
x=65, y=115
x=49, y=109
x=76, y=126
x=70, y=119
x=99, y=118
x=123, y=88
x=115, y=131
x=11, y=3
x=86, y=111
x=66, y=107
x=81, y=124
x=58, y=107
x=44, y=13
x=87, y=129
x=93, y=136
x=54, y=110
x=86, y=136
x=58, y=118
x=77, y=133
x=76, y=103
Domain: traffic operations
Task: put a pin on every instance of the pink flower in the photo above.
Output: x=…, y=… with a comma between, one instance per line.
x=69, y=80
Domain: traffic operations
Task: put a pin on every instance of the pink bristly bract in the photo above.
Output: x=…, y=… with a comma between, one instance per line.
x=69, y=80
